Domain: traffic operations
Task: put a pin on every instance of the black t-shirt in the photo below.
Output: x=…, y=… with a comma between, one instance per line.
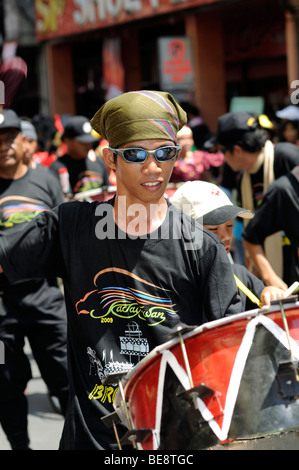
x=123, y=296
x=84, y=174
x=254, y=284
x=279, y=211
x=21, y=200
x=286, y=157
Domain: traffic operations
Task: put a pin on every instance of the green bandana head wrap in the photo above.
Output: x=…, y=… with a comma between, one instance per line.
x=139, y=115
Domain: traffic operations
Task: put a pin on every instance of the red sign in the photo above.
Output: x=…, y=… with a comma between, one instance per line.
x=178, y=65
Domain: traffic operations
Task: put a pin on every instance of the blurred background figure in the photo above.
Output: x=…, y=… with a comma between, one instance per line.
x=278, y=211
x=99, y=152
x=200, y=130
x=49, y=142
x=79, y=169
x=288, y=132
x=32, y=309
x=30, y=141
x=257, y=162
x=193, y=164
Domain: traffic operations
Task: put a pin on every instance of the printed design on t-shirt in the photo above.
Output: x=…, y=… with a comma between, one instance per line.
x=131, y=344
x=15, y=210
x=88, y=180
x=124, y=301
x=258, y=193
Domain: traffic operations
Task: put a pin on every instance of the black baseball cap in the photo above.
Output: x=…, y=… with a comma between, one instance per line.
x=9, y=119
x=79, y=128
x=232, y=127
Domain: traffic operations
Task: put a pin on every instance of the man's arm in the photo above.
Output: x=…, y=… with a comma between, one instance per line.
x=33, y=252
x=269, y=219
x=265, y=269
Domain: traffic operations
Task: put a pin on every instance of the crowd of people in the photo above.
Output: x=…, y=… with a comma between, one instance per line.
x=241, y=184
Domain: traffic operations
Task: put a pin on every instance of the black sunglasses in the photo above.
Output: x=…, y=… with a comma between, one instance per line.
x=139, y=155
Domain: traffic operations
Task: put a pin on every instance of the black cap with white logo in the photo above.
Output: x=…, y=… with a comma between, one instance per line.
x=9, y=119
x=79, y=128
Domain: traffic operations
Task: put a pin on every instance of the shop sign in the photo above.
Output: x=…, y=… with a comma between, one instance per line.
x=175, y=63
x=57, y=18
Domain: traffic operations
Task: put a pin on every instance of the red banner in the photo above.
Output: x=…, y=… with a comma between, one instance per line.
x=56, y=18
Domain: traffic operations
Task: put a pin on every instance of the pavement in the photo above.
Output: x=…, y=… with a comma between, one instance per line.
x=45, y=425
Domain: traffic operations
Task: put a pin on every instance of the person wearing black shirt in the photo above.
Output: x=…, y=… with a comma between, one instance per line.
x=256, y=163
x=85, y=171
x=279, y=211
x=32, y=308
x=133, y=263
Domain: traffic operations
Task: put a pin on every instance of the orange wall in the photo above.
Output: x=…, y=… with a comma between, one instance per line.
x=205, y=30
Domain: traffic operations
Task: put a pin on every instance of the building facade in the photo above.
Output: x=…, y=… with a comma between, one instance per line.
x=203, y=51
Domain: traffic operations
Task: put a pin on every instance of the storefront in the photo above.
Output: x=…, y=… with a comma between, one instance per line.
x=203, y=51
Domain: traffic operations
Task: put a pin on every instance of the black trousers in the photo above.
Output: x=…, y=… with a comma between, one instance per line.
x=46, y=330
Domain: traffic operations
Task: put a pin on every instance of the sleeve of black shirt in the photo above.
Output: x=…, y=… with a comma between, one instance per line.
x=33, y=252
x=286, y=158
x=269, y=217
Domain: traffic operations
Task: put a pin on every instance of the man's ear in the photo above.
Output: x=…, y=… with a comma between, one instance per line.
x=108, y=157
x=237, y=150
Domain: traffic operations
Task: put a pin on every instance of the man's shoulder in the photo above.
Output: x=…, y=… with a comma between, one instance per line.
x=59, y=162
x=284, y=150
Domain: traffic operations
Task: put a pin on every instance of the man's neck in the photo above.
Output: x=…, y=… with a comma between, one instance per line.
x=14, y=173
x=139, y=219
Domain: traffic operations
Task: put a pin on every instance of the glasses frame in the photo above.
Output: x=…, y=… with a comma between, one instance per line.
x=120, y=152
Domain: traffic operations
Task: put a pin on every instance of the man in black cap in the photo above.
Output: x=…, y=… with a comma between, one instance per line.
x=85, y=171
x=250, y=154
x=133, y=263
x=33, y=308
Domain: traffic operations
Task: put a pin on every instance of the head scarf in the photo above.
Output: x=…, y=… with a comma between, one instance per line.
x=139, y=115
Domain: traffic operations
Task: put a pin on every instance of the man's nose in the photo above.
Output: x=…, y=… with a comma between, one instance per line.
x=151, y=164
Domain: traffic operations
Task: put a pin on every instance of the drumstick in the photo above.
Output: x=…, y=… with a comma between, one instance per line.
x=291, y=289
x=248, y=292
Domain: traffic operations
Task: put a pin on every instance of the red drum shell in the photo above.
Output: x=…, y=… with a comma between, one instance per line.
x=235, y=361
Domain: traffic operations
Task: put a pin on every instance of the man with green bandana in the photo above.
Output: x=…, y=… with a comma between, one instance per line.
x=134, y=268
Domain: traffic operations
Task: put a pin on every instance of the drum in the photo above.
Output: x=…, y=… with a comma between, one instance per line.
x=224, y=383
x=98, y=194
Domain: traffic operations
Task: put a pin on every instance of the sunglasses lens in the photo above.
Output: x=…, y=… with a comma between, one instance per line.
x=135, y=155
x=166, y=153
